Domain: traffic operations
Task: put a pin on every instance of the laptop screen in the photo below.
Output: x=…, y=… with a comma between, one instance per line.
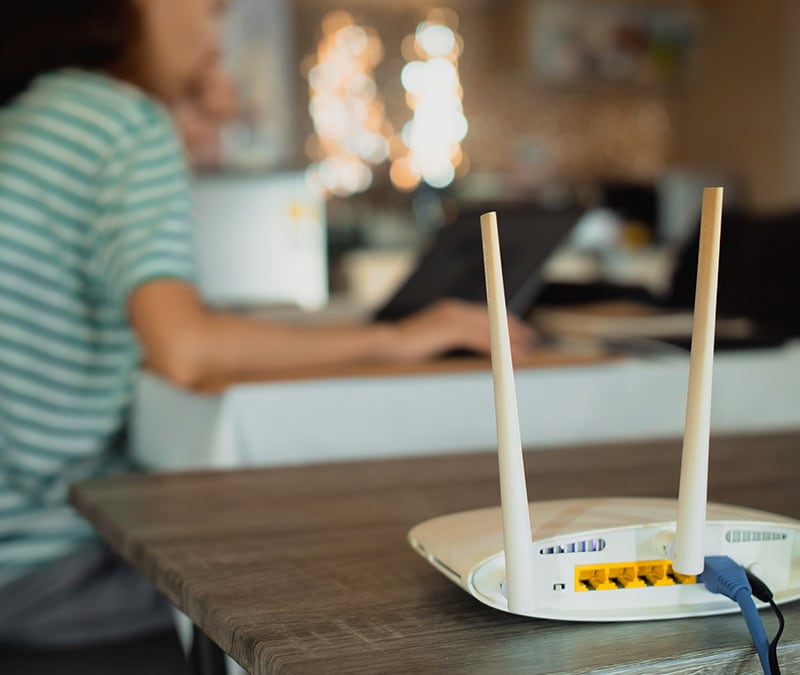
x=452, y=267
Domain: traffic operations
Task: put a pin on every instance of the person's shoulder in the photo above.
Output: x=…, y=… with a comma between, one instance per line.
x=93, y=107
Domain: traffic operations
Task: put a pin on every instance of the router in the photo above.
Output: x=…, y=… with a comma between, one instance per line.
x=609, y=559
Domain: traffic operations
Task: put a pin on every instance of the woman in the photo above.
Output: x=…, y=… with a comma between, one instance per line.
x=97, y=276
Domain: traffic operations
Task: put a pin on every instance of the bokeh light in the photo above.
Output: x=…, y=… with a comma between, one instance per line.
x=346, y=110
x=433, y=137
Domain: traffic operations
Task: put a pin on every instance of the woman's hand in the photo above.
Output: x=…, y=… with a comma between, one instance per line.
x=188, y=343
x=453, y=324
x=200, y=117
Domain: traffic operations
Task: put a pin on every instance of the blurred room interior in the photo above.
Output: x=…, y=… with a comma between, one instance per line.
x=591, y=127
x=316, y=195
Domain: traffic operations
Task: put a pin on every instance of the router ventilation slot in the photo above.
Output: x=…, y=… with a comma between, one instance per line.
x=583, y=546
x=746, y=536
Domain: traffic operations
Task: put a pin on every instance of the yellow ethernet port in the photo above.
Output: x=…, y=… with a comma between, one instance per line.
x=613, y=576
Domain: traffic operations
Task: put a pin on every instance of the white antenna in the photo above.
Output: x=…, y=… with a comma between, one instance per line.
x=693, y=493
x=513, y=493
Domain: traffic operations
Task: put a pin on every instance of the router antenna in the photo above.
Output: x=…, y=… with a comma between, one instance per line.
x=513, y=493
x=692, y=494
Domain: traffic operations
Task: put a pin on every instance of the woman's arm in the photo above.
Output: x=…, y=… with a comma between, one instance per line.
x=188, y=343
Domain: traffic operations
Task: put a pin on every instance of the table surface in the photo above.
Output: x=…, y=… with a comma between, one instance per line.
x=306, y=569
x=542, y=357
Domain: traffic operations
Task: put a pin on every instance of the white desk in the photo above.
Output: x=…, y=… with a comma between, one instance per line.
x=356, y=417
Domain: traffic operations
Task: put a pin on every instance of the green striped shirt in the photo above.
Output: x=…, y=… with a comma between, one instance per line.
x=94, y=201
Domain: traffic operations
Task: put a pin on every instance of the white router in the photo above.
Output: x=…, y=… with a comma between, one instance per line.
x=609, y=559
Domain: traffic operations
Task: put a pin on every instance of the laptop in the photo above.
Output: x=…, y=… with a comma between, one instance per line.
x=452, y=267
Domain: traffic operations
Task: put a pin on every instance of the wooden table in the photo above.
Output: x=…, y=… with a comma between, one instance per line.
x=307, y=569
x=541, y=358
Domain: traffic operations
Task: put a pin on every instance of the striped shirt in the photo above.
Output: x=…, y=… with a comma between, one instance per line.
x=94, y=201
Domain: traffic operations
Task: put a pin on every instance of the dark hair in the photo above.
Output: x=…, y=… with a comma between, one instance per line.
x=37, y=36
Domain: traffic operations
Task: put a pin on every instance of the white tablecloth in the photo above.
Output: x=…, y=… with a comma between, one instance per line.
x=366, y=417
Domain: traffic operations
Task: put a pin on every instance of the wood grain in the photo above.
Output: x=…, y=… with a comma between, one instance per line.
x=307, y=570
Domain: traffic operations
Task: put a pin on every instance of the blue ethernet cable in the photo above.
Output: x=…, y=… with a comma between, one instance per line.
x=725, y=576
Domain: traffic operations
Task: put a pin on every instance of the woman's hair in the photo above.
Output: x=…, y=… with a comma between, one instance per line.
x=37, y=36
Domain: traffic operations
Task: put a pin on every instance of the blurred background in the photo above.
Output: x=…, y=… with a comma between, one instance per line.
x=363, y=127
